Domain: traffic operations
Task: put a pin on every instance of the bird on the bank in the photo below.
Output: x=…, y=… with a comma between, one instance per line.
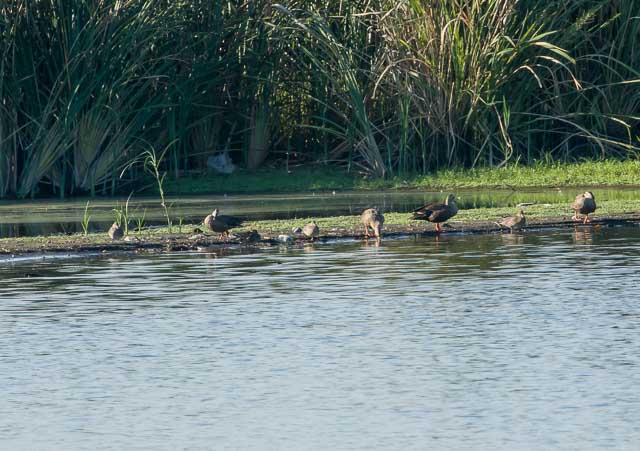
x=215, y=222
x=115, y=232
x=311, y=230
x=584, y=204
x=512, y=222
x=374, y=220
x=249, y=237
x=437, y=212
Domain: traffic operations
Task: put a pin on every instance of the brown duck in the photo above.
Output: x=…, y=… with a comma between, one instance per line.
x=215, y=222
x=374, y=220
x=512, y=222
x=437, y=212
x=115, y=232
x=584, y=204
x=311, y=230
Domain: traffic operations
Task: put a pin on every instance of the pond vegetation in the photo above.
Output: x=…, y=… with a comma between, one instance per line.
x=389, y=90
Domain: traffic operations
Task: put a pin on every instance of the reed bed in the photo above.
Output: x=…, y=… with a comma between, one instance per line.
x=383, y=88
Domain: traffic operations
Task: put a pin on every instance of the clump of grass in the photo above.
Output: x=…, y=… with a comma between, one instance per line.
x=86, y=218
x=122, y=216
x=152, y=164
x=140, y=220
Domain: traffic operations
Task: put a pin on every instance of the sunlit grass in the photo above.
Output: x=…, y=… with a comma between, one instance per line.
x=322, y=178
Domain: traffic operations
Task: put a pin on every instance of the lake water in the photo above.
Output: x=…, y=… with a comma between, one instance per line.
x=496, y=342
x=52, y=216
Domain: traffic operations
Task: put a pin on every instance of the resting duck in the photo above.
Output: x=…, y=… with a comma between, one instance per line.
x=436, y=212
x=584, y=204
x=115, y=232
x=215, y=222
x=372, y=219
x=512, y=222
x=311, y=230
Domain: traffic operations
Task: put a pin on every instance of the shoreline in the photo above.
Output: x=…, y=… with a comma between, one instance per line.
x=147, y=243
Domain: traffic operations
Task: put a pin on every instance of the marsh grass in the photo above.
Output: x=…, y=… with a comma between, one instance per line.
x=86, y=219
x=391, y=89
x=122, y=216
x=152, y=164
x=140, y=220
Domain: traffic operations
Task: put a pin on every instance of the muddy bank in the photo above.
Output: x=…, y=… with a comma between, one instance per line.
x=156, y=243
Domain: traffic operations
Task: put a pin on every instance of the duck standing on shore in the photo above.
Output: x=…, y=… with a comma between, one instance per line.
x=584, y=204
x=437, y=212
x=215, y=222
x=311, y=231
x=512, y=222
x=374, y=220
x=115, y=232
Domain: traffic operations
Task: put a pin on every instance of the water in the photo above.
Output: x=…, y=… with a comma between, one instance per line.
x=468, y=342
x=47, y=217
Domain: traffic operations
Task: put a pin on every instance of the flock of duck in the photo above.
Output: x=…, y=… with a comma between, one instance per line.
x=373, y=220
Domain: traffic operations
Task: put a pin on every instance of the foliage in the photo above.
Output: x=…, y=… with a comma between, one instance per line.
x=380, y=87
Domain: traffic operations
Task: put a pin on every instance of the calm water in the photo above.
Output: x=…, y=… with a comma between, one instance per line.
x=46, y=217
x=480, y=342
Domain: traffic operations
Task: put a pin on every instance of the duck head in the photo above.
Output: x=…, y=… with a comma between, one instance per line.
x=215, y=213
x=450, y=200
x=589, y=194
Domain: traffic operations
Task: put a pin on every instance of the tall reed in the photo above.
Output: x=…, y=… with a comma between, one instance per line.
x=376, y=86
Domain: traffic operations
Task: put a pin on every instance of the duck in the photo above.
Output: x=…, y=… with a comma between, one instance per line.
x=311, y=230
x=374, y=220
x=513, y=222
x=437, y=212
x=249, y=237
x=115, y=232
x=584, y=204
x=215, y=222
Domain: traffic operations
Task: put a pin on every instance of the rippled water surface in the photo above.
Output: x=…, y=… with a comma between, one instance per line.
x=479, y=342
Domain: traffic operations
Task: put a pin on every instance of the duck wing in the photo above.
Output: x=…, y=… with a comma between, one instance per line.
x=578, y=204
x=507, y=222
x=442, y=214
x=229, y=221
x=588, y=206
x=426, y=211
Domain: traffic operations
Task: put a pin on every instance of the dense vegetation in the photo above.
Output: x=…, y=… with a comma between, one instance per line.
x=384, y=87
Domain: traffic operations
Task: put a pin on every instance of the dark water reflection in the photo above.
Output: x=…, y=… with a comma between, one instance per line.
x=46, y=217
x=481, y=342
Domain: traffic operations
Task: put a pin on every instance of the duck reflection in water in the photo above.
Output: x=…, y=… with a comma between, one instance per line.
x=583, y=235
x=377, y=242
x=511, y=238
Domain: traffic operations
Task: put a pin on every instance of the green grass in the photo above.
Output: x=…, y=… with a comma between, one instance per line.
x=323, y=178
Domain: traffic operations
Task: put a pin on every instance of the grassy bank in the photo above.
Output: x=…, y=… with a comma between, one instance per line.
x=480, y=220
x=323, y=178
